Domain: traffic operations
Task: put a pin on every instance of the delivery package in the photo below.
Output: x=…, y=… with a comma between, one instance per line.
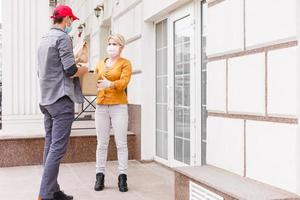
x=89, y=84
x=88, y=81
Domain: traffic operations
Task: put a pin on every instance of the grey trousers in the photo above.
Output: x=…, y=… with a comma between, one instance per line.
x=58, y=119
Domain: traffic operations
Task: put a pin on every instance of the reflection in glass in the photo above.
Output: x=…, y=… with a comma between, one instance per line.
x=161, y=90
x=182, y=59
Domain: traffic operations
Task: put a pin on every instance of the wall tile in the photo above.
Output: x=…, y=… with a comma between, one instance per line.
x=246, y=84
x=282, y=81
x=271, y=153
x=269, y=20
x=225, y=144
x=216, y=85
x=224, y=23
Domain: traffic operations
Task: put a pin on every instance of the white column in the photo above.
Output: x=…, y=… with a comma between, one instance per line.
x=298, y=97
x=148, y=92
x=24, y=22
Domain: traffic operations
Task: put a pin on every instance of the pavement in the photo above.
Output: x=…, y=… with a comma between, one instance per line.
x=146, y=181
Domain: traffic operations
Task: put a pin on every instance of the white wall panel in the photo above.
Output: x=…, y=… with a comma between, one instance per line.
x=282, y=81
x=134, y=89
x=155, y=9
x=246, y=84
x=271, y=153
x=132, y=51
x=225, y=27
x=129, y=24
x=121, y=5
x=225, y=144
x=269, y=20
x=216, y=85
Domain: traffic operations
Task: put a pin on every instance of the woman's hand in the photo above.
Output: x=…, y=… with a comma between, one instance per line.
x=104, y=83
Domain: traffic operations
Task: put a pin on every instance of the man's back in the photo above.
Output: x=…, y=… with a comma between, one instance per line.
x=55, y=56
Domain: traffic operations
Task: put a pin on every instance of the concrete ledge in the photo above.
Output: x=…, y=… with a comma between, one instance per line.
x=226, y=184
x=41, y=134
x=82, y=148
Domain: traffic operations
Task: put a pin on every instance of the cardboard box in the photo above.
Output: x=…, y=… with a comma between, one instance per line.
x=89, y=84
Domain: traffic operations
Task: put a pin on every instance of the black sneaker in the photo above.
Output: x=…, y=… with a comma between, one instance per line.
x=123, y=183
x=61, y=196
x=99, y=184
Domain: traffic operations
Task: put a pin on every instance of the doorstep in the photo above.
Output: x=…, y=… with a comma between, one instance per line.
x=224, y=184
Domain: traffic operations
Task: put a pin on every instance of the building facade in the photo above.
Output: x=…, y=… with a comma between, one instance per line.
x=217, y=81
x=24, y=22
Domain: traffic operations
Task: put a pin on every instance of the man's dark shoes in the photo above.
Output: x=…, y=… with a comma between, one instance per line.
x=123, y=183
x=99, y=185
x=43, y=199
x=61, y=196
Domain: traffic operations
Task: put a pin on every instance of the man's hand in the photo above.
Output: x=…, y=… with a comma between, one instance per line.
x=82, y=64
x=80, y=72
x=104, y=83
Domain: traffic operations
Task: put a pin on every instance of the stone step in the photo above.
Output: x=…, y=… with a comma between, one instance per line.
x=19, y=150
x=227, y=185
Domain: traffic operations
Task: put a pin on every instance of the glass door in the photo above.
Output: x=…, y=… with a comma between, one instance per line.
x=175, y=88
x=183, y=65
x=182, y=94
x=162, y=90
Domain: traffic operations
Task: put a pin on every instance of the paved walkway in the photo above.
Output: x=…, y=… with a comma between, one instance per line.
x=148, y=181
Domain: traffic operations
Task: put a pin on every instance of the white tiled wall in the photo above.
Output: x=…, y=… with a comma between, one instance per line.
x=155, y=9
x=269, y=20
x=271, y=153
x=282, y=81
x=129, y=24
x=225, y=29
x=216, y=86
x=135, y=89
x=132, y=51
x=120, y=5
x=246, y=80
x=225, y=144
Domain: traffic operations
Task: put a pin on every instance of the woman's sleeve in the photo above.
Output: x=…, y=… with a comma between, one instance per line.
x=125, y=77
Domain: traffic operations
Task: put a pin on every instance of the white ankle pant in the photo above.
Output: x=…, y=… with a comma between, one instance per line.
x=115, y=116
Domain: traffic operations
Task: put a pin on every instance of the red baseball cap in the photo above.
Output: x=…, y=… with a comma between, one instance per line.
x=63, y=11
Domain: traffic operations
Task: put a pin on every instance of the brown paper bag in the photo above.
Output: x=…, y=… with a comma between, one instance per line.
x=89, y=84
x=81, y=53
x=88, y=81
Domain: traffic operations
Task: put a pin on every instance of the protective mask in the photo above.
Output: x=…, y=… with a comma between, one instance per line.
x=68, y=29
x=112, y=51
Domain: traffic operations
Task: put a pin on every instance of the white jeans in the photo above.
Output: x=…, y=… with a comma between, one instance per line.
x=115, y=116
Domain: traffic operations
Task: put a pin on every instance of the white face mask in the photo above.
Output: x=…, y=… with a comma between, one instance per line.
x=112, y=51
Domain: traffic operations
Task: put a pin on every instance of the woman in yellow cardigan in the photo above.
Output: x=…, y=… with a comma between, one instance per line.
x=114, y=75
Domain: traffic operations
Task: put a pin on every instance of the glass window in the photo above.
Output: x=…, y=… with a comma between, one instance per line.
x=161, y=90
x=182, y=51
